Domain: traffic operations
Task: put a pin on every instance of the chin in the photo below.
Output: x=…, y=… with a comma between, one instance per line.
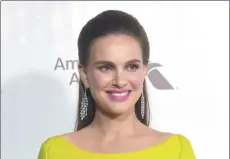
x=118, y=111
x=119, y=108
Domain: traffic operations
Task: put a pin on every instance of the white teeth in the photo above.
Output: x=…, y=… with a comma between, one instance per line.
x=120, y=94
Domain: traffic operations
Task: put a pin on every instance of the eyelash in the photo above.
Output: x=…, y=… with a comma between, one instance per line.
x=111, y=67
x=104, y=67
x=135, y=66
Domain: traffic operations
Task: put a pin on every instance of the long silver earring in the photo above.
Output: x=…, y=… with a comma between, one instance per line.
x=142, y=106
x=84, y=106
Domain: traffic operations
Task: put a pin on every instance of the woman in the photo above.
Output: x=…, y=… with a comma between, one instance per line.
x=113, y=114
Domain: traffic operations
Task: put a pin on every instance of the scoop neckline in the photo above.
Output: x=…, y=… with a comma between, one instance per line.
x=119, y=153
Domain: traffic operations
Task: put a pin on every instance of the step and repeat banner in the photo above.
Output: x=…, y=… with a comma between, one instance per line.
x=187, y=78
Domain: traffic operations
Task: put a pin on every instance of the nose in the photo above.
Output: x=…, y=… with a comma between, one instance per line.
x=119, y=79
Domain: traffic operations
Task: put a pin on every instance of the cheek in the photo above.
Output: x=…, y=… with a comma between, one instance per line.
x=137, y=79
x=98, y=80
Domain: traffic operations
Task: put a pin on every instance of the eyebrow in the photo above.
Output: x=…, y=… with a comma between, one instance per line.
x=111, y=63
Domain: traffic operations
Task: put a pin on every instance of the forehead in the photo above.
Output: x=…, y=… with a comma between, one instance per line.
x=116, y=48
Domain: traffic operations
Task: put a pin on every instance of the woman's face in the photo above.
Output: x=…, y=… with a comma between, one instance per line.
x=115, y=73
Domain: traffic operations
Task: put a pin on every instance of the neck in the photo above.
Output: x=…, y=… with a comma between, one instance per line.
x=111, y=128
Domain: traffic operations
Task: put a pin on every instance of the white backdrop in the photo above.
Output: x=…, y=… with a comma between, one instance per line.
x=189, y=39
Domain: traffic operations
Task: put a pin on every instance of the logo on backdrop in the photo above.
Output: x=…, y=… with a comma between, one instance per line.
x=155, y=76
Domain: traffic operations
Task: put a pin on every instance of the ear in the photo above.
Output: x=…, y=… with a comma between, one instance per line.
x=83, y=75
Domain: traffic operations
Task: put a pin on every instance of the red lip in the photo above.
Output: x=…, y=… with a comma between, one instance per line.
x=118, y=90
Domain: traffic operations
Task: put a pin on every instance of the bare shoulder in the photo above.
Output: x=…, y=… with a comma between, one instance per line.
x=75, y=136
x=69, y=135
x=163, y=135
x=160, y=135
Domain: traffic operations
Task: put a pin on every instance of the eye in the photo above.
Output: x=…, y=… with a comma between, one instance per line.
x=105, y=68
x=133, y=67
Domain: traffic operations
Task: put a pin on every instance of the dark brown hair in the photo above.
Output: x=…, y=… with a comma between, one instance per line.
x=105, y=23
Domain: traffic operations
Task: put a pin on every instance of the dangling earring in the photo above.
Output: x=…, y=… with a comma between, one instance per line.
x=84, y=106
x=142, y=105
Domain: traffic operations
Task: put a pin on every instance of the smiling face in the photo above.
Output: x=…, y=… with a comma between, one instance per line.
x=115, y=73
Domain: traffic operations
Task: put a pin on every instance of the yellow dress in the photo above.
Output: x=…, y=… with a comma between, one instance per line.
x=175, y=147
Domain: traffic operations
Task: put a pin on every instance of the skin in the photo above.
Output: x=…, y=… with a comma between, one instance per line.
x=115, y=127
